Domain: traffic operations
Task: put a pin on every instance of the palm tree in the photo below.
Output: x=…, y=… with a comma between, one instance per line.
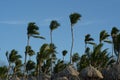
x=42, y=55
x=104, y=36
x=74, y=17
x=53, y=25
x=29, y=51
x=32, y=31
x=46, y=66
x=88, y=40
x=17, y=68
x=75, y=57
x=64, y=52
x=3, y=71
x=12, y=58
x=84, y=61
x=30, y=66
x=100, y=58
x=97, y=57
x=114, y=33
x=59, y=66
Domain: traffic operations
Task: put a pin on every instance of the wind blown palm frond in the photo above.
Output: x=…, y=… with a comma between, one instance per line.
x=32, y=29
x=30, y=65
x=75, y=57
x=54, y=24
x=74, y=17
x=13, y=56
x=41, y=37
x=103, y=36
x=88, y=38
x=114, y=31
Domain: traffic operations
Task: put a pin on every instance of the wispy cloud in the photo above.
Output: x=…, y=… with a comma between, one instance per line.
x=46, y=22
x=14, y=22
x=54, y=18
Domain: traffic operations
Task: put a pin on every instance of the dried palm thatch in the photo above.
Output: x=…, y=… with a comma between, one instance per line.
x=91, y=72
x=68, y=72
x=61, y=78
x=112, y=72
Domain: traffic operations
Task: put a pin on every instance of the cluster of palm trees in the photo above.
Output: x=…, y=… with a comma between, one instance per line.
x=47, y=61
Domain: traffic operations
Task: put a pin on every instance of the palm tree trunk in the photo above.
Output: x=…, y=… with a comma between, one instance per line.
x=112, y=48
x=71, y=44
x=85, y=46
x=37, y=77
x=51, y=36
x=8, y=70
x=118, y=57
x=26, y=59
x=63, y=58
x=51, y=53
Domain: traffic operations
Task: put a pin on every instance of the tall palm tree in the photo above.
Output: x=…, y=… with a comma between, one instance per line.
x=64, y=52
x=118, y=47
x=74, y=17
x=32, y=31
x=53, y=25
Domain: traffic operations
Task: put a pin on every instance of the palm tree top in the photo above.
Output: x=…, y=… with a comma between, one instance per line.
x=54, y=24
x=114, y=31
x=74, y=17
x=64, y=52
x=88, y=38
x=13, y=56
x=103, y=35
x=32, y=28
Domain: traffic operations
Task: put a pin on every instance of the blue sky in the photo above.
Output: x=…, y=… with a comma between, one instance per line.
x=97, y=15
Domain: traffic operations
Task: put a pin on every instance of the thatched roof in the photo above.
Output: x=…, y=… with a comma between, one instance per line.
x=92, y=72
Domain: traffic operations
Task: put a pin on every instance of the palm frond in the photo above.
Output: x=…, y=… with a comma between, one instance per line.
x=74, y=17
x=54, y=24
x=41, y=37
